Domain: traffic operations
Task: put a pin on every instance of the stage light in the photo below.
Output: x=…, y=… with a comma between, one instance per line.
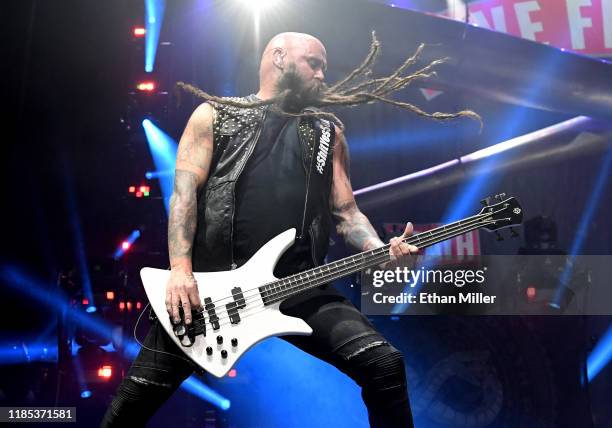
x=126, y=244
x=39, y=291
x=132, y=189
x=110, y=295
x=121, y=306
x=139, y=32
x=258, y=5
x=91, y=309
x=85, y=394
x=105, y=372
x=85, y=301
x=601, y=355
x=154, y=16
x=531, y=292
x=129, y=306
x=163, y=150
x=146, y=86
x=138, y=305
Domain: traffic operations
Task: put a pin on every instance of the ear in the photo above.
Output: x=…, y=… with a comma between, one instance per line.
x=278, y=58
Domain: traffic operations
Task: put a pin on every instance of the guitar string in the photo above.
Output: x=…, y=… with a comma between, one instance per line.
x=352, y=259
x=385, y=248
x=225, y=319
x=261, y=308
x=382, y=255
x=254, y=310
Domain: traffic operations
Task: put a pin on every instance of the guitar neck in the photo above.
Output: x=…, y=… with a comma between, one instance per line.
x=294, y=284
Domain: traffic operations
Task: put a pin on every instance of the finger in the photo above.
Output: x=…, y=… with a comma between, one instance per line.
x=194, y=297
x=169, y=303
x=394, y=243
x=405, y=249
x=408, y=249
x=186, y=307
x=409, y=229
x=175, y=305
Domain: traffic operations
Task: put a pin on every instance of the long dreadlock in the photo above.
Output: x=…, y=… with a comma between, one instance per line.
x=355, y=89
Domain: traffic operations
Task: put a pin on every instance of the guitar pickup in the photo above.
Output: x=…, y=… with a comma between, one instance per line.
x=238, y=297
x=198, y=324
x=232, y=311
x=209, y=307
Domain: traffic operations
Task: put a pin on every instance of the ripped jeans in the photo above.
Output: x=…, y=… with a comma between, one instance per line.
x=342, y=336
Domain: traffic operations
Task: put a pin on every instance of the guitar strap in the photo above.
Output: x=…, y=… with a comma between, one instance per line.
x=317, y=137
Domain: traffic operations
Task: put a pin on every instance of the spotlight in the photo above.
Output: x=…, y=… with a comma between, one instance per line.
x=110, y=295
x=139, y=32
x=105, y=372
x=257, y=5
x=531, y=293
x=85, y=394
x=146, y=86
x=126, y=244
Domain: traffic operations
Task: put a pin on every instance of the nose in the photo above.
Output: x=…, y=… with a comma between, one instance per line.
x=319, y=75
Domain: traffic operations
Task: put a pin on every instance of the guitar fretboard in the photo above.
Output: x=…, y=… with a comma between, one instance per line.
x=286, y=287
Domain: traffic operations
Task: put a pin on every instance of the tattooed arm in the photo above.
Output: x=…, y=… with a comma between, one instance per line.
x=193, y=161
x=352, y=224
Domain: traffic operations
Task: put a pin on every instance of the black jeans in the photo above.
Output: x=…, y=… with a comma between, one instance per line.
x=342, y=336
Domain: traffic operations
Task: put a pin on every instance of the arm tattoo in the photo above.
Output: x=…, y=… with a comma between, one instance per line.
x=355, y=227
x=183, y=217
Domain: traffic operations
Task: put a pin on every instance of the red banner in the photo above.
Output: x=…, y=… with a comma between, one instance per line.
x=583, y=26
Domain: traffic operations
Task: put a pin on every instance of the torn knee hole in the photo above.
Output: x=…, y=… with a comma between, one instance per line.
x=365, y=347
x=148, y=382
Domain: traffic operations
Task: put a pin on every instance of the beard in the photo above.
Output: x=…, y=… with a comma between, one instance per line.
x=296, y=93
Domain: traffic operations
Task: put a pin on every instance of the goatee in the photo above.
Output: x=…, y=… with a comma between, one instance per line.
x=294, y=94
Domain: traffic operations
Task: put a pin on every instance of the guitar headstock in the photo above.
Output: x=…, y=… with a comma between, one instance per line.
x=500, y=212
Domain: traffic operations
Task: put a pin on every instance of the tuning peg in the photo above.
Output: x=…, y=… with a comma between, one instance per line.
x=500, y=197
x=513, y=233
x=499, y=237
x=486, y=201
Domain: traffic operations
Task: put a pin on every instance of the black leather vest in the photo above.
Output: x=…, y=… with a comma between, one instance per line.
x=236, y=131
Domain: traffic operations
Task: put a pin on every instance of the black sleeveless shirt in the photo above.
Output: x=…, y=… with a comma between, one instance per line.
x=271, y=194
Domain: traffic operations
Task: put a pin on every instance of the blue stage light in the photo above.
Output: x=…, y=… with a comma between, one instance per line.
x=77, y=234
x=39, y=291
x=600, y=356
x=197, y=388
x=154, y=16
x=85, y=394
x=585, y=222
x=163, y=150
x=91, y=309
x=126, y=244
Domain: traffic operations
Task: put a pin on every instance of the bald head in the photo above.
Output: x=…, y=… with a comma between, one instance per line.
x=295, y=56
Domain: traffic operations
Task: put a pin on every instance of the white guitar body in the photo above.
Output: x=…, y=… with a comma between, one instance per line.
x=236, y=317
x=257, y=321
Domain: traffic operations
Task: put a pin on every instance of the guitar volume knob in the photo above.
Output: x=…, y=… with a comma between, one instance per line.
x=219, y=340
x=223, y=353
x=234, y=342
x=209, y=350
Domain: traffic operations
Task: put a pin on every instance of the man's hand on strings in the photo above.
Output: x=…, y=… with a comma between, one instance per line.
x=399, y=250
